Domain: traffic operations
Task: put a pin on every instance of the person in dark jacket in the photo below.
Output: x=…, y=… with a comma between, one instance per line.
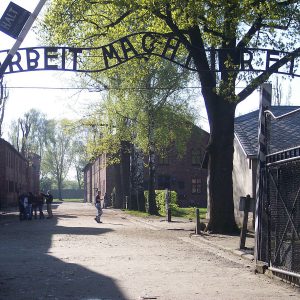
x=49, y=200
x=22, y=210
x=98, y=206
x=34, y=205
x=40, y=204
x=29, y=200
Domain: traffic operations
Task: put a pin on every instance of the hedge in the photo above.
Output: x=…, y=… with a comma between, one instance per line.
x=160, y=197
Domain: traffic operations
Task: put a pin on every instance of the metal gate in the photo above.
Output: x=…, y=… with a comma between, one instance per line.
x=283, y=201
x=282, y=193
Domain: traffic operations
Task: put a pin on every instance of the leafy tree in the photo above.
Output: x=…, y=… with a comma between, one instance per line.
x=28, y=133
x=57, y=157
x=152, y=115
x=14, y=134
x=231, y=25
x=78, y=147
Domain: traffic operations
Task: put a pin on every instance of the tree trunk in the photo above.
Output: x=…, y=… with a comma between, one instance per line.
x=116, y=192
x=78, y=177
x=60, y=191
x=136, y=179
x=220, y=150
x=151, y=185
x=125, y=172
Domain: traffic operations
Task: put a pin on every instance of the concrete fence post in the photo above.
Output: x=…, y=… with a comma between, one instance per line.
x=197, y=221
x=168, y=209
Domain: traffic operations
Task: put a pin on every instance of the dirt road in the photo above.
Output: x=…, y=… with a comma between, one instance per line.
x=73, y=257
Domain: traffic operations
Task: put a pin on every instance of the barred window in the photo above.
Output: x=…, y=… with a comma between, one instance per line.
x=196, y=185
x=196, y=157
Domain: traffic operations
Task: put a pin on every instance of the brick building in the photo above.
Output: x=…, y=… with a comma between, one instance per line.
x=183, y=175
x=17, y=174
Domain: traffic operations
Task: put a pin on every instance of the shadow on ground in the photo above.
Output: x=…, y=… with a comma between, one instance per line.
x=28, y=271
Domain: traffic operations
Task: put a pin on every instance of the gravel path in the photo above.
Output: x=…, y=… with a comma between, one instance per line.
x=73, y=257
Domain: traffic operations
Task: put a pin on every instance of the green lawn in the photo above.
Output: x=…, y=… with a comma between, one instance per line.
x=70, y=200
x=187, y=213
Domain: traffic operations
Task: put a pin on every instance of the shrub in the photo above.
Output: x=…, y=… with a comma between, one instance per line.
x=160, y=197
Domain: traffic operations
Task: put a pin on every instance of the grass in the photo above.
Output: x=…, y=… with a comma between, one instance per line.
x=136, y=213
x=186, y=212
x=70, y=200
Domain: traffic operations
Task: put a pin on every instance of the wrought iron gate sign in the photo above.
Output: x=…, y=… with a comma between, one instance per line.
x=142, y=45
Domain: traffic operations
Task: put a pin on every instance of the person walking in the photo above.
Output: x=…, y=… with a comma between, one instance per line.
x=98, y=206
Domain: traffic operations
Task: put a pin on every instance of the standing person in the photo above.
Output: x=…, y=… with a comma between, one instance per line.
x=98, y=206
x=22, y=215
x=28, y=206
x=40, y=204
x=34, y=204
x=49, y=200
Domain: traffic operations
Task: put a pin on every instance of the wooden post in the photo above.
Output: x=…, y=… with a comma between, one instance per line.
x=168, y=209
x=245, y=222
x=197, y=221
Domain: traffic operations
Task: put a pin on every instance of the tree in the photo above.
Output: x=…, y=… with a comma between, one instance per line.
x=28, y=133
x=57, y=157
x=278, y=98
x=79, y=160
x=152, y=115
x=231, y=25
x=3, y=99
x=14, y=134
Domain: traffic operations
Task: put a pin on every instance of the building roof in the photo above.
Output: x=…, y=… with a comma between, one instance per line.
x=284, y=134
x=11, y=147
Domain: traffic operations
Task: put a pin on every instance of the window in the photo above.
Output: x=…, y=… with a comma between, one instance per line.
x=196, y=185
x=196, y=157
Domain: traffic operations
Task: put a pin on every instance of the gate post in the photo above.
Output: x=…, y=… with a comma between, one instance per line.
x=260, y=241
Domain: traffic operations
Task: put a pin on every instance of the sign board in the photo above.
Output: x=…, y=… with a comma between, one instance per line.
x=13, y=20
x=251, y=204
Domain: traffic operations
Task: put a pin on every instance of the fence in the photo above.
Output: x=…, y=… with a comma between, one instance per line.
x=281, y=199
x=69, y=194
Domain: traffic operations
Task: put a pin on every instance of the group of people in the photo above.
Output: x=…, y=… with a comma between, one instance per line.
x=29, y=204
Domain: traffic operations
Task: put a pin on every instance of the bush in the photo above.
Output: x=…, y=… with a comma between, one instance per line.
x=160, y=197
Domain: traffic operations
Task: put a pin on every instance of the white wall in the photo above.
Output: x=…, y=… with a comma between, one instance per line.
x=242, y=179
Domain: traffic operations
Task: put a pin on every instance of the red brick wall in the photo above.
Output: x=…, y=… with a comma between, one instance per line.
x=180, y=172
x=15, y=175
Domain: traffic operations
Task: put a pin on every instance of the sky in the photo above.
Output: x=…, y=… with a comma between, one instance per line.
x=54, y=102
x=25, y=89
